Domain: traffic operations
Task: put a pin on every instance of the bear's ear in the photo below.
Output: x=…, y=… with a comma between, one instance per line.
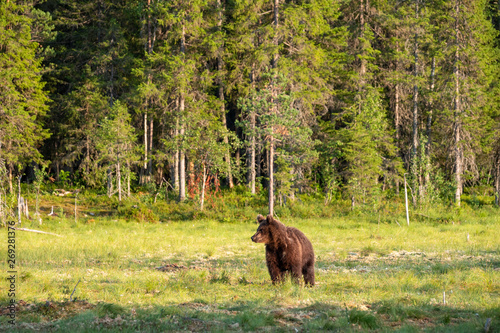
x=260, y=219
x=270, y=219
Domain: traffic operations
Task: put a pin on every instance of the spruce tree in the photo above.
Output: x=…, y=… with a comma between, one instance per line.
x=469, y=62
x=23, y=102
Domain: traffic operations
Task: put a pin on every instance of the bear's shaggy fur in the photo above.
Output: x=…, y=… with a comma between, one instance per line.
x=287, y=250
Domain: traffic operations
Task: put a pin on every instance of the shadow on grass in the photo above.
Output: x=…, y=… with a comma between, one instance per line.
x=417, y=263
x=200, y=316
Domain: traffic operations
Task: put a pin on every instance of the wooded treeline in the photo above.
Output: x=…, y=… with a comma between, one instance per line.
x=344, y=97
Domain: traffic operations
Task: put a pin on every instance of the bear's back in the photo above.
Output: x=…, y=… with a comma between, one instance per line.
x=296, y=234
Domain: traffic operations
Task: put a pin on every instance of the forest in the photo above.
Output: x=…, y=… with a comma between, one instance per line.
x=346, y=99
x=146, y=135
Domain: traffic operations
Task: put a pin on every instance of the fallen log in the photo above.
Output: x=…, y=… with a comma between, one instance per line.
x=38, y=231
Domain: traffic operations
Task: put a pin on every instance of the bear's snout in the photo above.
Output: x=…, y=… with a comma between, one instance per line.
x=256, y=238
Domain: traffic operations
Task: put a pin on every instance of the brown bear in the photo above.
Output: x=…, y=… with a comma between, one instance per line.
x=287, y=250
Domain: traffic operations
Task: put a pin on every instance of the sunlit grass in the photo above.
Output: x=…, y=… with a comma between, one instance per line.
x=369, y=275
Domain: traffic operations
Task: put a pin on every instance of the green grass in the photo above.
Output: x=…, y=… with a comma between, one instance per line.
x=372, y=274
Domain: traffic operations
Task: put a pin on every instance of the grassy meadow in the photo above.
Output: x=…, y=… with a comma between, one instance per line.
x=373, y=273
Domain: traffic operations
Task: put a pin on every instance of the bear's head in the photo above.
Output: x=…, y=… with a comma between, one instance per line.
x=270, y=231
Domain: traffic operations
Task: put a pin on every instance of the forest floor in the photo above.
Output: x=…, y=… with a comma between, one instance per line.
x=104, y=273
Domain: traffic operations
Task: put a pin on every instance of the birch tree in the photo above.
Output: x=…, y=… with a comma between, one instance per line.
x=116, y=145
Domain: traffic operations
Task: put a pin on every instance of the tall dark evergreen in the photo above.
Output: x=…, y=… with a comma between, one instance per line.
x=23, y=102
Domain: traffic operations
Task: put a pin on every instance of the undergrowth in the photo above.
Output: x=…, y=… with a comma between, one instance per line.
x=238, y=205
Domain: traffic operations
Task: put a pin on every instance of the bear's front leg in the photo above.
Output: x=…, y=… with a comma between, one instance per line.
x=272, y=265
x=308, y=273
x=296, y=273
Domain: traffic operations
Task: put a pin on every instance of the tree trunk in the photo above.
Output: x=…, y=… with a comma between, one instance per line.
x=271, y=174
x=252, y=153
x=87, y=155
x=128, y=178
x=415, y=95
x=149, y=44
x=2, y=214
x=204, y=179
x=457, y=115
x=182, y=157
x=416, y=183
x=174, y=170
x=362, y=67
x=146, y=172
x=192, y=179
x=428, y=143
x=11, y=188
x=145, y=166
x=275, y=109
x=220, y=67
x=396, y=106
x=237, y=159
x=118, y=177
x=431, y=106
x=227, y=155
x=275, y=37
x=58, y=167
x=150, y=154
x=110, y=182
x=175, y=167
x=497, y=181
x=258, y=159
x=251, y=149
x=362, y=23
x=111, y=77
x=397, y=118
x=19, y=200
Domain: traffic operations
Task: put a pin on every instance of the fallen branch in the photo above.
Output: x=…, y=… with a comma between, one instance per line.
x=214, y=322
x=38, y=231
x=71, y=296
x=487, y=325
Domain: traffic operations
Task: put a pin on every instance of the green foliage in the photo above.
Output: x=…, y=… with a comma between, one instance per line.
x=368, y=149
x=280, y=120
x=23, y=101
x=64, y=176
x=115, y=143
x=137, y=212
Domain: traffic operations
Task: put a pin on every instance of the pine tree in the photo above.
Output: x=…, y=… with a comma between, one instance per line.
x=469, y=59
x=83, y=112
x=90, y=63
x=181, y=64
x=368, y=148
x=280, y=119
x=365, y=137
x=300, y=36
x=23, y=103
